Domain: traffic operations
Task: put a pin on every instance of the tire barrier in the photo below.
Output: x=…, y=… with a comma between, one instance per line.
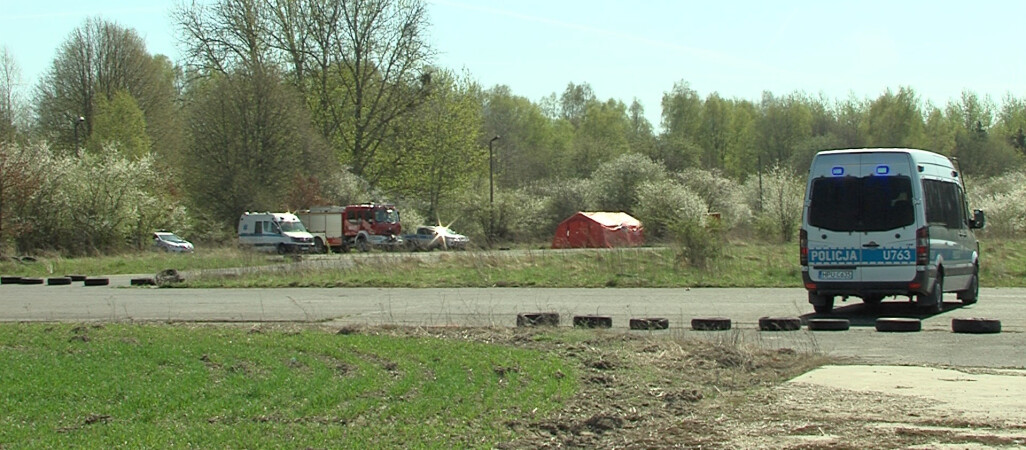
x=10, y=280
x=96, y=281
x=58, y=281
x=77, y=278
x=590, y=321
x=30, y=280
x=828, y=324
x=540, y=319
x=143, y=282
x=649, y=323
x=710, y=323
x=780, y=323
x=976, y=325
x=898, y=324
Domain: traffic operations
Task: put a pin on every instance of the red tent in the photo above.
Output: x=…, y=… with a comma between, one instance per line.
x=598, y=229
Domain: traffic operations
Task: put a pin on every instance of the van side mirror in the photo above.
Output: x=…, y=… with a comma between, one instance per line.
x=979, y=220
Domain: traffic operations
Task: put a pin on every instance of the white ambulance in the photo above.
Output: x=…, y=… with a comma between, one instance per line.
x=278, y=232
x=887, y=222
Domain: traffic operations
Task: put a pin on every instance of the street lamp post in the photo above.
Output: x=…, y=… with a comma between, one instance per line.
x=491, y=187
x=77, y=122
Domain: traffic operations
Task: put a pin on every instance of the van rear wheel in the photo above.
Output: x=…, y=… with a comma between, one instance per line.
x=934, y=301
x=822, y=304
x=971, y=293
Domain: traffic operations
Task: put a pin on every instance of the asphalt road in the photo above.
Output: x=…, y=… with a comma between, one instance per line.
x=935, y=345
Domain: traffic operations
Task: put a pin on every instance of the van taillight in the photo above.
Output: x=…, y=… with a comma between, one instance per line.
x=922, y=246
x=803, y=247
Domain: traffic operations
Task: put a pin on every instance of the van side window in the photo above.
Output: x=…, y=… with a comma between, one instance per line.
x=258, y=228
x=944, y=204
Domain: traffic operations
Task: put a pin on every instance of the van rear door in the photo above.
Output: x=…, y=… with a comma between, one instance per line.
x=861, y=220
x=888, y=226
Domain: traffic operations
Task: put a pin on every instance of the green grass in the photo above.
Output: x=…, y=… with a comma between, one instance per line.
x=143, y=262
x=741, y=264
x=156, y=386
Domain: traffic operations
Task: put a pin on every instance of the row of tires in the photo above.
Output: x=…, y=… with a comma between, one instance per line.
x=56, y=281
x=883, y=324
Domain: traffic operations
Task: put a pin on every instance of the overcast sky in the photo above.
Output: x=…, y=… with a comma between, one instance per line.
x=639, y=49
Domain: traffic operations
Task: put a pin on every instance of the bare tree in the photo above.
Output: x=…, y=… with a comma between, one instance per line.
x=11, y=106
x=103, y=58
x=360, y=63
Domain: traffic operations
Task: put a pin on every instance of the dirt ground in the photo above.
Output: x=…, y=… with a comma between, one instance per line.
x=652, y=390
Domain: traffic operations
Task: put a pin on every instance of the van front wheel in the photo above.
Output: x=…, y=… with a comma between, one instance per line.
x=822, y=304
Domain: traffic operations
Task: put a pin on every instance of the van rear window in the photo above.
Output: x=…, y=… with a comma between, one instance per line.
x=874, y=203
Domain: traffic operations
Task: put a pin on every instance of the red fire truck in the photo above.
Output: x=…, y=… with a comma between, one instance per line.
x=362, y=226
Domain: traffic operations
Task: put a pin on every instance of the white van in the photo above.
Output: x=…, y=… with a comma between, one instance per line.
x=280, y=232
x=887, y=222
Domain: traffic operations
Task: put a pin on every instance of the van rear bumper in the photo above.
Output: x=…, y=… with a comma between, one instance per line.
x=876, y=288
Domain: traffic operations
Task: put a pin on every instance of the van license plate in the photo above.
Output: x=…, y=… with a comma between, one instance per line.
x=836, y=274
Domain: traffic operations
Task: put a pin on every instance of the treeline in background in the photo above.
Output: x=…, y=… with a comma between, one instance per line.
x=285, y=104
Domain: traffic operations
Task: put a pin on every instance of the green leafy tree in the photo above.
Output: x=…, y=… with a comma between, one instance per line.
x=714, y=137
x=440, y=148
x=641, y=138
x=574, y=103
x=601, y=136
x=531, y=146
x=681, y=123
x=896, y=120
x=119, y=124
x=786, y=123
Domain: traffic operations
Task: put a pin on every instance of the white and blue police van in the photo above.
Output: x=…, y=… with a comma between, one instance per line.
x=274, y=232
x=878, y=223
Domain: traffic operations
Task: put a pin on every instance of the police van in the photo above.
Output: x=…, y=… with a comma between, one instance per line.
x=887, y=222
x=276, y=232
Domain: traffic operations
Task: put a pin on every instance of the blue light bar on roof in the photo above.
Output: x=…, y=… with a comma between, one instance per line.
x=883, y=170
x=837, y=171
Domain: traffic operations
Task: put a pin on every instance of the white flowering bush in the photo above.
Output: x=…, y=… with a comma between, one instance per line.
x=1003, y=200
x=92, y=204
x=777, y=204
x=723, y=195
x=662, y=203
x=614, y=185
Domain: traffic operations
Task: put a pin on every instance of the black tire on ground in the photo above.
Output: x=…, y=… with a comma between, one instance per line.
x=898, y=324
x=30, y=280
x=10, y=280
x=828, y=324
x=319, y=246
x=822, y=304
x=591, y=321
x=362, y=245
x=547, y=319
x=933, y=302
x=649, y=323
x=58, y=281
x=96, y=281
x=143, y=282
x=971, y=293
x=281, y=249
x=976, y=325
x=77, y=277
x=710, y=323
x=780, y=323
